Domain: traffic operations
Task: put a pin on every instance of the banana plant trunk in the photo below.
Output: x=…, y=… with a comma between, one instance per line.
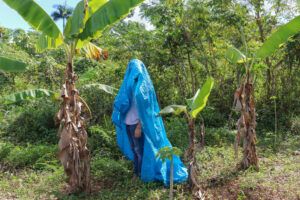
x=246, y=124
x=73, y=152
x=190, y=157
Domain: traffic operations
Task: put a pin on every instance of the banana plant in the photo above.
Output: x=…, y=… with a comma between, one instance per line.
x=88, y=20
x=194, y=106
x=244, y=95
x=168, y=153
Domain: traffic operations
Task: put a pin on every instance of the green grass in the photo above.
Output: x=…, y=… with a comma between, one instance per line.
x=278, y=177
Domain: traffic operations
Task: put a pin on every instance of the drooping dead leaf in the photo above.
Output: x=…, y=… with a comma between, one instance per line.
x=244, y=102
x=73, y=152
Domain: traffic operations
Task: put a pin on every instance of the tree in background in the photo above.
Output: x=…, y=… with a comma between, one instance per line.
x=62, y=12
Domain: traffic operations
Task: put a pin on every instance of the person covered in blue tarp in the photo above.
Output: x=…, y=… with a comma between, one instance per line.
x=140, y=129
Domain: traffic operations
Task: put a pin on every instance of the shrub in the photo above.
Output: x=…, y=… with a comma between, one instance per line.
x=82, y=65
x=177, y=131
x=19, y=156
x=100, y=104
x=106, y=168
x=5, y=149
x=34, y=123
x=213, y=117
x=295, y=125
x=219, y=136
x=103, y=142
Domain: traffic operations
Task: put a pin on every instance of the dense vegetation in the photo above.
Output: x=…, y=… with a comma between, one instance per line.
x=187, y=44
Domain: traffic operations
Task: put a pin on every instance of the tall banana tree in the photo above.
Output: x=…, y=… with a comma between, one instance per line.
x=87, y=21
x=245, y=104
x=244, y=95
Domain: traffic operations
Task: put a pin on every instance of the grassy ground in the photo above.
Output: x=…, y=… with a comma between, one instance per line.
x=278, y=178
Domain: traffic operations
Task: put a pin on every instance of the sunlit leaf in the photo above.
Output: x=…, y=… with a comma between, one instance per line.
x=32, y=13
x=105, y=88
x=234, y=55
x=76, y=22
x=10, y=65
x=45, y=42
x=81, y=44
x=174, y=109
x=201, y=97
x=279, y=37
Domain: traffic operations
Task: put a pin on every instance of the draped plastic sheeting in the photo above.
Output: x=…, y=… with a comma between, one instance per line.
x=137, y=84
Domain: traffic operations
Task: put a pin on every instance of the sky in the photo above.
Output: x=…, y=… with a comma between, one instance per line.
x=11, y=19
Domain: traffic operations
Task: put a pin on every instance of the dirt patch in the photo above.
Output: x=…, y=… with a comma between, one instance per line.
x=232, y=191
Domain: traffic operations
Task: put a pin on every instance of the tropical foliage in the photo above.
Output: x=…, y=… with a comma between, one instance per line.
x=243, y=55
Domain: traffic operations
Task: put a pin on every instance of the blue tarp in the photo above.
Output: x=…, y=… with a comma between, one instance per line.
x=137, y=84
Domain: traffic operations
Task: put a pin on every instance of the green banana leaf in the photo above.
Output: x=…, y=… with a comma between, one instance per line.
x=106, y=88
x=32, y=13
x=106, y=15
x=28, y=94
x=201, y=97
x=10, y=65
x=45, y=42
x=234, y=55
x=174, y=109
x=76, y=22
x=279, y=37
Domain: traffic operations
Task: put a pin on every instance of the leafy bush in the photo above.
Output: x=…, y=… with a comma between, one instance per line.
x=19, y=156
x=177, y=131
x=219, y=136
x=266, y=120
x=34, y=124
x=5, y=149
x=82, y=65
x=213, y=117
x=295, y=125
x=106, y=168
x=100, y=104
x=103, y=142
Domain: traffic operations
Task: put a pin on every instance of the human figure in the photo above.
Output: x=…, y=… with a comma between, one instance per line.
x=135, y=136
x=140, y=129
